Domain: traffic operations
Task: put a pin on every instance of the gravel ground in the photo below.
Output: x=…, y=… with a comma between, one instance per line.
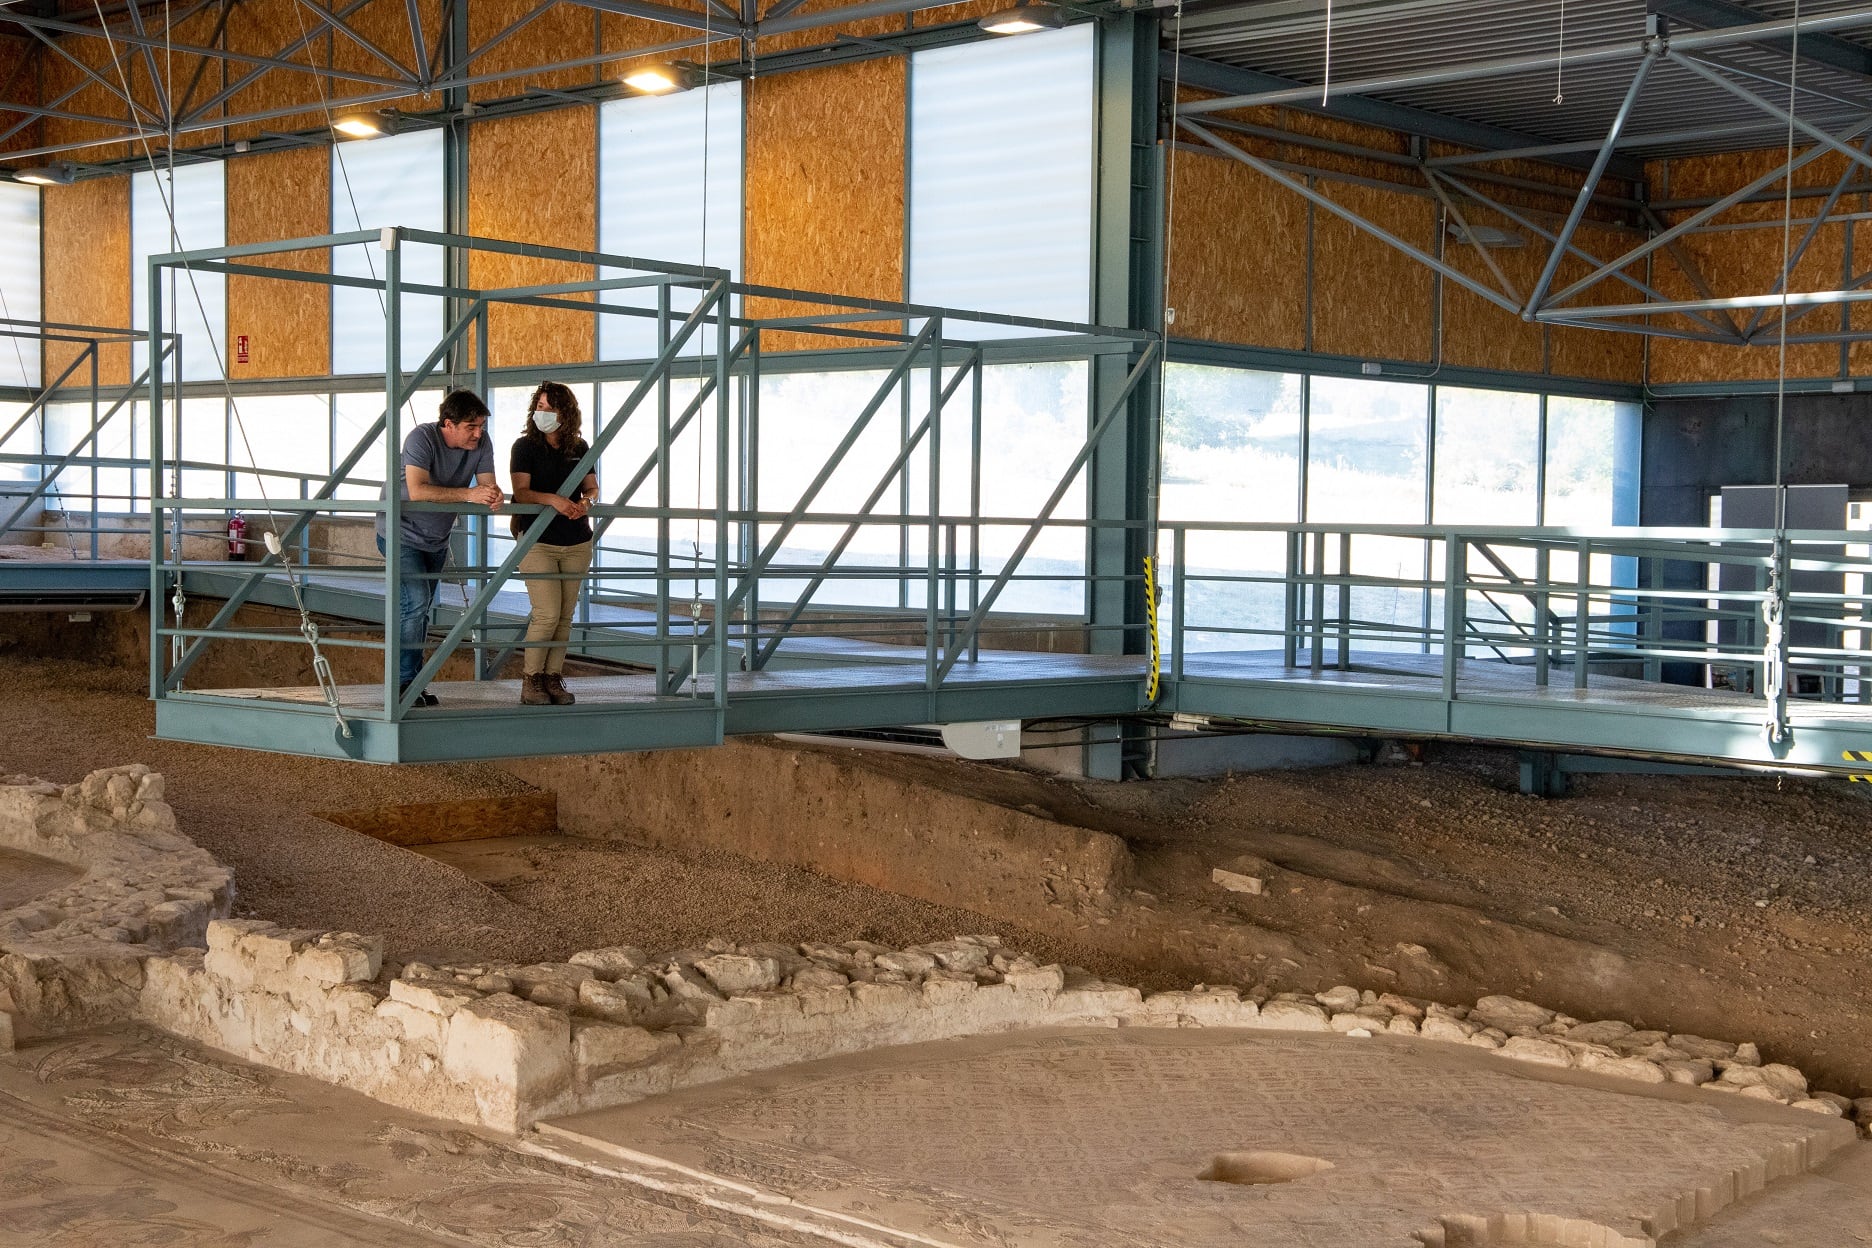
x=544, y=900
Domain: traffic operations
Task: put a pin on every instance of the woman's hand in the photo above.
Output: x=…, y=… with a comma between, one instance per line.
x=570, y=508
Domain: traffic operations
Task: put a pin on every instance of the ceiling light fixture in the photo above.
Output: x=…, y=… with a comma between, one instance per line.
x=660, y=79
x=1023, y=18
x=366, y=125
x=45, y=175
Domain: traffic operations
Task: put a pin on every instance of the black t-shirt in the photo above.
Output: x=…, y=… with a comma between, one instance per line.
x=548, y=469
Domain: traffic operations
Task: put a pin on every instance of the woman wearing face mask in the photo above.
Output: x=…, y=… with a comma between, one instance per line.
x=542, y=458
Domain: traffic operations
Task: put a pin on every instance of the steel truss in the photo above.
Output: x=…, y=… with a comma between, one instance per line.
x=1458, y=185
x=127, y=56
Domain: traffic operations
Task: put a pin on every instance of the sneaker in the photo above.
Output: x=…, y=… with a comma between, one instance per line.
x=556, y=690
x=534, y=691
x=425, y=698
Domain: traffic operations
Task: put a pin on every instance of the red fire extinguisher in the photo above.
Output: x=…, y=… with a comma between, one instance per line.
x=237, y=537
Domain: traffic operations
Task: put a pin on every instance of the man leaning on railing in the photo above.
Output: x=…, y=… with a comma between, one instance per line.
x=447, y=460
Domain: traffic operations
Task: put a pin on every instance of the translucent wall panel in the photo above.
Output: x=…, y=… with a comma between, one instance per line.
x=285, y=433
x=352, y=416
x=395, y=180
x=1592, y=462
x=20, y=282
x=1487, y=457
x=1001, y=177
x=204, y=441
x=23, y=442
x=669, y=188
x=1366, y=444
x=803, y=418
x=1034, y=421
x=194, y=304
x=1231, y=454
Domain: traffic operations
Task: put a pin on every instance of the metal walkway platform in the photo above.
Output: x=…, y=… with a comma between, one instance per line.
x=1501, y=702
x=483, y=719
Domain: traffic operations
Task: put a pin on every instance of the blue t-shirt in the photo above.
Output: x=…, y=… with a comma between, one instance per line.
x=449, y=468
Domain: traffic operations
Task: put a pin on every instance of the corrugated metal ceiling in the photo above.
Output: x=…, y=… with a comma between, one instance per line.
x=1378, y=38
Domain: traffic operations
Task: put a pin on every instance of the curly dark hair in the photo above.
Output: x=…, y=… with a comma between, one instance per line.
x=571, y=420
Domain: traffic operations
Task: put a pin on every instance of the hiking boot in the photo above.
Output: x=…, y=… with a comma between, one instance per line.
x=556, y=690
x=533, y=691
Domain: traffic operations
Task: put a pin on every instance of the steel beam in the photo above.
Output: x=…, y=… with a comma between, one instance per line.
x=1234, y=82
x=1303, y=93
x=1821, y=49
x=1774, y=110
x=1785, y=169
x=1586, y=189
x=1306, y=192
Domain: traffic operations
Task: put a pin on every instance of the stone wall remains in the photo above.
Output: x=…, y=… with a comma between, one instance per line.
x=74, y=957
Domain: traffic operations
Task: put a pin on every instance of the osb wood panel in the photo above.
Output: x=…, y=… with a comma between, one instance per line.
x=386, y=23
x=1304, y=123
x=969, y=11
x=1859, y=354
x=1598, y=354
x=562, y=32
x=262, y=28
x=507, y=199
x=1476, y=332
x=86, y=233
x=60, y=75
x=815, y=36
x=1369, y=299
x=1696, y=177
x=19, y=75
x=1237, y=255
x=1748, y=262
x=825, y=187
x=288, y=324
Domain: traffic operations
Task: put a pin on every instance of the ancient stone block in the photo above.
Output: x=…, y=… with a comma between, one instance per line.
x=1440, y=1028
x=513, y=1054
x=1293, y=1016
x=611, y=962
x=731, y=973
x=1043, y=979
x=417, y=1025
x=614, y=1002
x=1513, y=1016
x=431, y=995
x=1338, y=1000
x=340, y=958
x=596, y=1046
x=1537, y=1052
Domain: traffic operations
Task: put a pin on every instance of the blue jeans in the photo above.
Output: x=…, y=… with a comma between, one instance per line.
x=415, y=596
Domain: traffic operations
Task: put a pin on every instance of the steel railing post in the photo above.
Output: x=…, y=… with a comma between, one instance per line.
x=1582, y=621
x=1543, y=615
x=1345, y=600
x=1179, y=557
x=1316, y=639
x=1455, y=609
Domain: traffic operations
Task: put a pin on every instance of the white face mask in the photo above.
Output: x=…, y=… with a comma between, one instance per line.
x=546, y=420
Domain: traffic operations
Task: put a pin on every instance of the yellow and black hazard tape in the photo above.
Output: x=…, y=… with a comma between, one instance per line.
x=1858, y=756
x=1150, y=619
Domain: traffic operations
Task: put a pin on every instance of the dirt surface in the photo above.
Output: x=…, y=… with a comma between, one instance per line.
x=1733, y=908
x=1736, y=908
x=252, y=811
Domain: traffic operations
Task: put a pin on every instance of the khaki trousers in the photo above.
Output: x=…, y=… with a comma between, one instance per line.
x=554, y=601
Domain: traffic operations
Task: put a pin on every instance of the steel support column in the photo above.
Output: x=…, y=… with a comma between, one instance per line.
x=1127, y=290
